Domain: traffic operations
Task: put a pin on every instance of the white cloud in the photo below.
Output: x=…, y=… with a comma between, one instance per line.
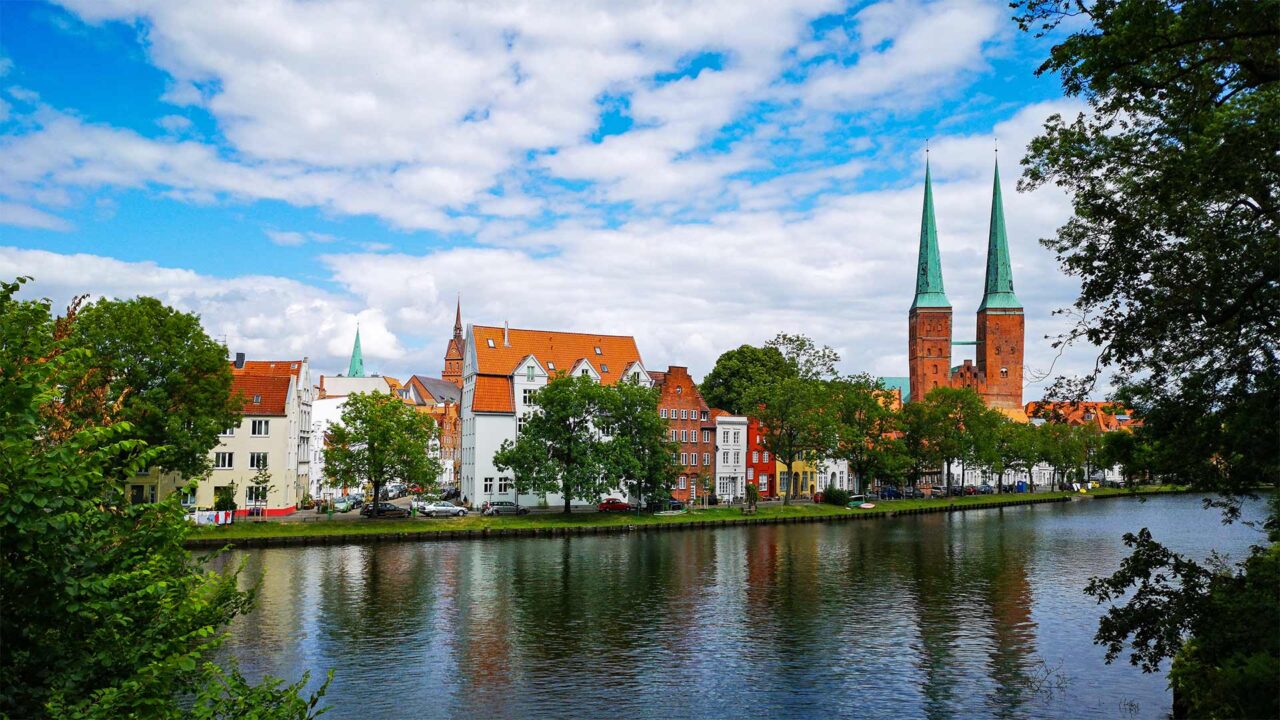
x=286, y=238
x=27, y=216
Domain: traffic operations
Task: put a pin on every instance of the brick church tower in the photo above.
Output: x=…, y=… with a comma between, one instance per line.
x=929, y=323
x=1001, y=327
x=453, y=353
x=997, y=373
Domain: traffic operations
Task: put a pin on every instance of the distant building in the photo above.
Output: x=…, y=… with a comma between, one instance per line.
x=690, y=425
x=501, y=371
x=441, y=400
x=455, y=351
x=731, y=456
x=760, y=465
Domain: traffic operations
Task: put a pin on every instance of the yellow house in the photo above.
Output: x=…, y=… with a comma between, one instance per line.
x=806, y=475
x=814, y=475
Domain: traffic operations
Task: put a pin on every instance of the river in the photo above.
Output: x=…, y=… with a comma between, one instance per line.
x=964, y=615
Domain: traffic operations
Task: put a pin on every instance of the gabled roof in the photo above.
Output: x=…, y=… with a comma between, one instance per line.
x=440, y=390
x=1105, y=416
x=561, y=349
x=271, y=391
x=268, y=367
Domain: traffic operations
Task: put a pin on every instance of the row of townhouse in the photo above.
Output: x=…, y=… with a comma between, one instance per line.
x=718, y=453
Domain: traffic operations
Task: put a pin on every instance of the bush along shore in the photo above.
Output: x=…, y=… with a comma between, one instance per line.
x=332, y=532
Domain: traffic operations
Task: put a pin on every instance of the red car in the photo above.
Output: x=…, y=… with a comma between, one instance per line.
x=614, y=505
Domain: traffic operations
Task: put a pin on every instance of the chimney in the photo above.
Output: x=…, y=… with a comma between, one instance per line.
x=506, y=339
x=239, y=361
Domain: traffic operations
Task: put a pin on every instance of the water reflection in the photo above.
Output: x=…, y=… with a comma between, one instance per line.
x=937, y=616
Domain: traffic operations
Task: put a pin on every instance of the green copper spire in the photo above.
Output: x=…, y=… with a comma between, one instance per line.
x=999, y=290
x=357, y=358
x=929, y=292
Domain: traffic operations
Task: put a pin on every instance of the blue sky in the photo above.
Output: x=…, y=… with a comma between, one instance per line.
x=697, y=175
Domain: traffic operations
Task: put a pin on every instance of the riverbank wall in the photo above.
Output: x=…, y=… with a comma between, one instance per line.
x=375, y=536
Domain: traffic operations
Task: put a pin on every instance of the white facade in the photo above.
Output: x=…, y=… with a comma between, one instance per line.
x=731, y=457
x=835, y=473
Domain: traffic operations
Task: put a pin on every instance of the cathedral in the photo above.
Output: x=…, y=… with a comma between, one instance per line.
x=996, y=374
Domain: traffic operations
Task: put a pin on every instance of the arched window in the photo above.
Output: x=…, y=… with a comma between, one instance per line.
x=1004, y=372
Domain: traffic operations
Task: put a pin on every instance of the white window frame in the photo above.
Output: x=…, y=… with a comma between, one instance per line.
x=258, y=460
x=218, y=456
x=254, y=428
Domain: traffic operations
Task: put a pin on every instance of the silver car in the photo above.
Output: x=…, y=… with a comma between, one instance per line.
x=439, y=508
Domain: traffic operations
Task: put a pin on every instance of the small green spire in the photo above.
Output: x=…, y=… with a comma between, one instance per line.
x=998, y=293
x=929, y=291
x=357, y=358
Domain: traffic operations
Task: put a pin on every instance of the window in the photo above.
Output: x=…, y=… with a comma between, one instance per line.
x=604, y=367
x=755, y=456
x=681, y=482
x=488, y=482
x=228, y=432
x=188, y=497
x=257, y=460
x=257, y=399
x=585, y=372
x=684, y=436
x=663, y=412
x=222, y=460
x=726, y=437
x=679, y=390
x=674, y=435
x=256, y=494
x=766, y=456
x=706, y=458
x=598, y=352
x=527, y=396
x=751, y=473
x=504, y=485
x=489, y=342
x=684, y=414
x=725, y=459
x=737, y=436
x=706, y=435
x=520, y=423
x=684, y=458
x=737, y=457
x=528, y=374
x=693, y=458
x=551, y=365
x=704, y=415
x=1004, y=372
x=260, y=428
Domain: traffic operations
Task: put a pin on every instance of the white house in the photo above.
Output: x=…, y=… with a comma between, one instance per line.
x=501, y=370
x=731, y=456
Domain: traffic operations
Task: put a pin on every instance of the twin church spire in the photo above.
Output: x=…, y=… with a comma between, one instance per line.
x=998, y=291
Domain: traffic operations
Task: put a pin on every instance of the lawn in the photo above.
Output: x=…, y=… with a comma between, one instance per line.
x=353, y=525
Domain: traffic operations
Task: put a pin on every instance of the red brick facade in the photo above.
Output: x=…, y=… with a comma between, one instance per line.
x=690, y=426
x=997, y=374
x=1000, y=340
x=929, y=339
x=760, y=462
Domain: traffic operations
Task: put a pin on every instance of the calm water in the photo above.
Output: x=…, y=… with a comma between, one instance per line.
x=936, y=616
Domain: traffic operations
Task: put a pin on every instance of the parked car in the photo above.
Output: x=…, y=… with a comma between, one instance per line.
x=439, y=508
x=1113, y=484
x=384, y=510
x=889, y=492
x=954, y=491
x=914, y=493
x=670, y=504
x=614, y=505
x=503, y=507
x=344, y=504
x=451, y=494
x=985, y=489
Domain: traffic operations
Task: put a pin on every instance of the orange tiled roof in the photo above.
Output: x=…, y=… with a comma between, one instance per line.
x=271, y=390
x=563, y=349
x=493, y=395
x=1101, y=414
x=268, y=367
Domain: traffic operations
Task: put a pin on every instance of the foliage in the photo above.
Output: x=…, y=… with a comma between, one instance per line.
x=380, y=439
x=753, y=495
x=953, y=424
x=1173, y=175
x=832, y=495
x=795, y=422
x=104, y=614
x=160, y=372
x=1020, y=448
x=867, y=430
x=561, y=448
x=638, y=453
x=736, y=371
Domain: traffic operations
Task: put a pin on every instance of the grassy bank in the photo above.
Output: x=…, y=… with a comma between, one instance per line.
x=356, y=527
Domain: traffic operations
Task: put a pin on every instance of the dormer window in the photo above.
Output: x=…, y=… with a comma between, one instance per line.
x=257, y=399
x=551, y=365
x=489, y=342
x=604, y=367
x=528, y=373
x=598, y=351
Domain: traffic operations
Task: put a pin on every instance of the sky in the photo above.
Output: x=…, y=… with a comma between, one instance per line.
x=697, y=174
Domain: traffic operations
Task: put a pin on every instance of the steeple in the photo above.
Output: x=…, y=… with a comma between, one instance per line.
x=457, y=319
x=357, y=358
x=929, y=292
x=998, y=293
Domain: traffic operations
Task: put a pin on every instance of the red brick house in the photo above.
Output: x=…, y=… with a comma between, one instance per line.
x=690, y=426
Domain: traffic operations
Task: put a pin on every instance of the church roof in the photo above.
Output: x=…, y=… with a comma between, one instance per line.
x=356, y=368
x=998, y=293
x=929, y=290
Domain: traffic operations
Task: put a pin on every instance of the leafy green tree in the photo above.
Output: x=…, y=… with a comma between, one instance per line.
x=173, y=381
x=1020, y=449
x=379, y=439
x=637, y=454
x=804, y=358
x=797, y=420
x=961, y=426
x=1061, y=450
x=737, y=371
x=104, y=614
x=920, y=425
x=866, y=429
x=561, y=448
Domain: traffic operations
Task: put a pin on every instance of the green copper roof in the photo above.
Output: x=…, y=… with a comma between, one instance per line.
x=929, y=292
x=999, y=290
x=357, y=358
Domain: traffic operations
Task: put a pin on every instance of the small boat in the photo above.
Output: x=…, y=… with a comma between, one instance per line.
x=867, y=506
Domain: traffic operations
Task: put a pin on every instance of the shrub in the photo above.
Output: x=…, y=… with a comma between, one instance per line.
x=835, y=496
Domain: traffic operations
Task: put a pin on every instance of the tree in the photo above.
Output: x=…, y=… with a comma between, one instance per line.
x=1020, y=448
x=104, y=614
x=737, y=371
x=171, y=379
x=561, y=448
x=797, y=421
x=866, y=428
x=379, y=439
x=637, y=453
x=959, y=424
